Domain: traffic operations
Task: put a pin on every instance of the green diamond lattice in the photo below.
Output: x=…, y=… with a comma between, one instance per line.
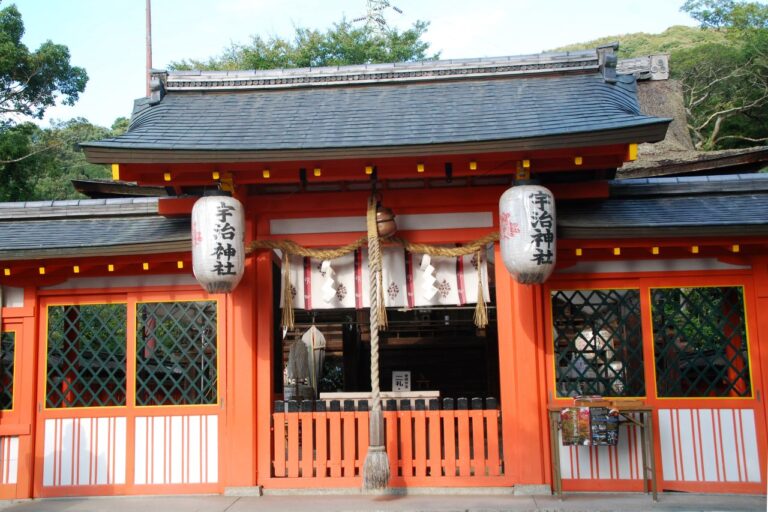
x=176, y=352
x=86, y=355
x=700, y=342
x=598, y=342
x=7, y=348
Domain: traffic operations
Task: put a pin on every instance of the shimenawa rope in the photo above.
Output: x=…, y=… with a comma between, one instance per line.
x=288, y=247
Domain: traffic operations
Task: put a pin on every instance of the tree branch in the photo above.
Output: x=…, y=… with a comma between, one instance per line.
x=729, y=111
x=33, y=153
x=740, y=137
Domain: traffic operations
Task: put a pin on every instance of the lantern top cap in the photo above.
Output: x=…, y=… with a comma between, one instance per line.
x=214, y=192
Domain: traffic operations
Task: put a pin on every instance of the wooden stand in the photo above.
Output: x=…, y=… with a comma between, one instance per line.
x=647, y=443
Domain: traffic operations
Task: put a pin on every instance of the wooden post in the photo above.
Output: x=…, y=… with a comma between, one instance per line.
x=521, y=371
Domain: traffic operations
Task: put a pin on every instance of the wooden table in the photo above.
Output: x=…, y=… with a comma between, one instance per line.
x=645, y=423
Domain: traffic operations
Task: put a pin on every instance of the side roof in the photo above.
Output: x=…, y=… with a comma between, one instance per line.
x=89, y=227
x=500, y=104
x=657, y=207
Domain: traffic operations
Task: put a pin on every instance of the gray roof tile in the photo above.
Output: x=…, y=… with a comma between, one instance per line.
x=65, y=233
x=384, y=115
x=667, y=212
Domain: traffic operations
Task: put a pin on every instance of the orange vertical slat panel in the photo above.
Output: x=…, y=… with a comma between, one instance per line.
x=334, y=420
x=350, y=443
x=390, y=426
x=406, y=442
x=321, y=443
x=449, y=441
x=362, y=440
x=463, y=433
x=293, y=444
x=435, y=444
x=278, y=433
x=420, y=444
x=307, y=444
x=478, y=442
x=492, y=426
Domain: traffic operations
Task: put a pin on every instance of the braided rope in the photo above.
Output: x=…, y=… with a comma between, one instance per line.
x=451, y=252
x=374, y=261
x=291, y=247
x=287, y=313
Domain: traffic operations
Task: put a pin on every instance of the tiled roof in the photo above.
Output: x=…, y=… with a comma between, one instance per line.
x=90, y=227
x=531, y=99
x=705, y=205
x=702, y=205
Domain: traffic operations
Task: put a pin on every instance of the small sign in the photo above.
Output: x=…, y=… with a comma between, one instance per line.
x=401, y=381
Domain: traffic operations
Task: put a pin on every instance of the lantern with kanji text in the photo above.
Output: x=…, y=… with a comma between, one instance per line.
x=218, y=242
x=527, y=233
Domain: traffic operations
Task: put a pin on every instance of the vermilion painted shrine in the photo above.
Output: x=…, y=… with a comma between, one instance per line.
x=121, y=375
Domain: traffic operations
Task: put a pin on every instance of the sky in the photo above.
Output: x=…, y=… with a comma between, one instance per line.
x=107, y=37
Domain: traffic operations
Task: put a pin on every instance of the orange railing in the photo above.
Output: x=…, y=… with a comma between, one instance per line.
x=425, y=447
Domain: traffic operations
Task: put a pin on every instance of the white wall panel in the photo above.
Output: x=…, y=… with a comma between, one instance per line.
x=709, y=445
x=623, y=461
x=84, y=451
x=9, y=459
x=177, y=450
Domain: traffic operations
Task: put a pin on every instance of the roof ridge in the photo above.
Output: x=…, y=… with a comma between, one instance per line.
x=70, y=208
x=579, y=61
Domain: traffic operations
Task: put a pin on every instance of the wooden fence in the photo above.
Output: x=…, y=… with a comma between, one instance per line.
x=426, y=447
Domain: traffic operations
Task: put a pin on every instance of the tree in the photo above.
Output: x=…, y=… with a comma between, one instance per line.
x=725, y=84
x=31, y=81
x=51, y=159
x=342, y=44
x=720, y=14
x=722, y=66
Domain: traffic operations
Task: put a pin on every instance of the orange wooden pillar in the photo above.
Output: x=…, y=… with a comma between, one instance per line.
x=262, y=346
x=759, y=345
x=521, y=373
x=239, y=468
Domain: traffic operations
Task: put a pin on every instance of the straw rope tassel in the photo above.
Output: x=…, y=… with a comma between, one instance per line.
x=481, y=311
x=376, y=467
x=287, y=316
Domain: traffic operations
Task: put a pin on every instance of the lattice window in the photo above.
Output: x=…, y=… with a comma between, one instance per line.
x=700, y=342
x=176, y=353
x=598, y=342
x=86, y=355
x=7, y=349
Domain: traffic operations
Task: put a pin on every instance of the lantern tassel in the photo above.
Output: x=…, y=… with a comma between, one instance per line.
x=287, y=313
x=481, y=311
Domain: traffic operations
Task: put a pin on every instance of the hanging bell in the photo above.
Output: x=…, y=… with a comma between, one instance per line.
x=385, y=221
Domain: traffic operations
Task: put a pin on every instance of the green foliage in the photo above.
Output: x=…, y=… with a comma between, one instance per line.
x=39, y=163
x=639, y=44
x=722, y=65
x=16, y=143
x=120, y=126
x=726, y=83
x=31, y=81
x=718, y=14
x=342, y=44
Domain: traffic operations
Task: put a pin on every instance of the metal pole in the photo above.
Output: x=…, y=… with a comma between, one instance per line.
x=149, y=45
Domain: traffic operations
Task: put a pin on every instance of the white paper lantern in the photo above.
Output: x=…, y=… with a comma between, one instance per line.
x=527, y=233
x=218, y=248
